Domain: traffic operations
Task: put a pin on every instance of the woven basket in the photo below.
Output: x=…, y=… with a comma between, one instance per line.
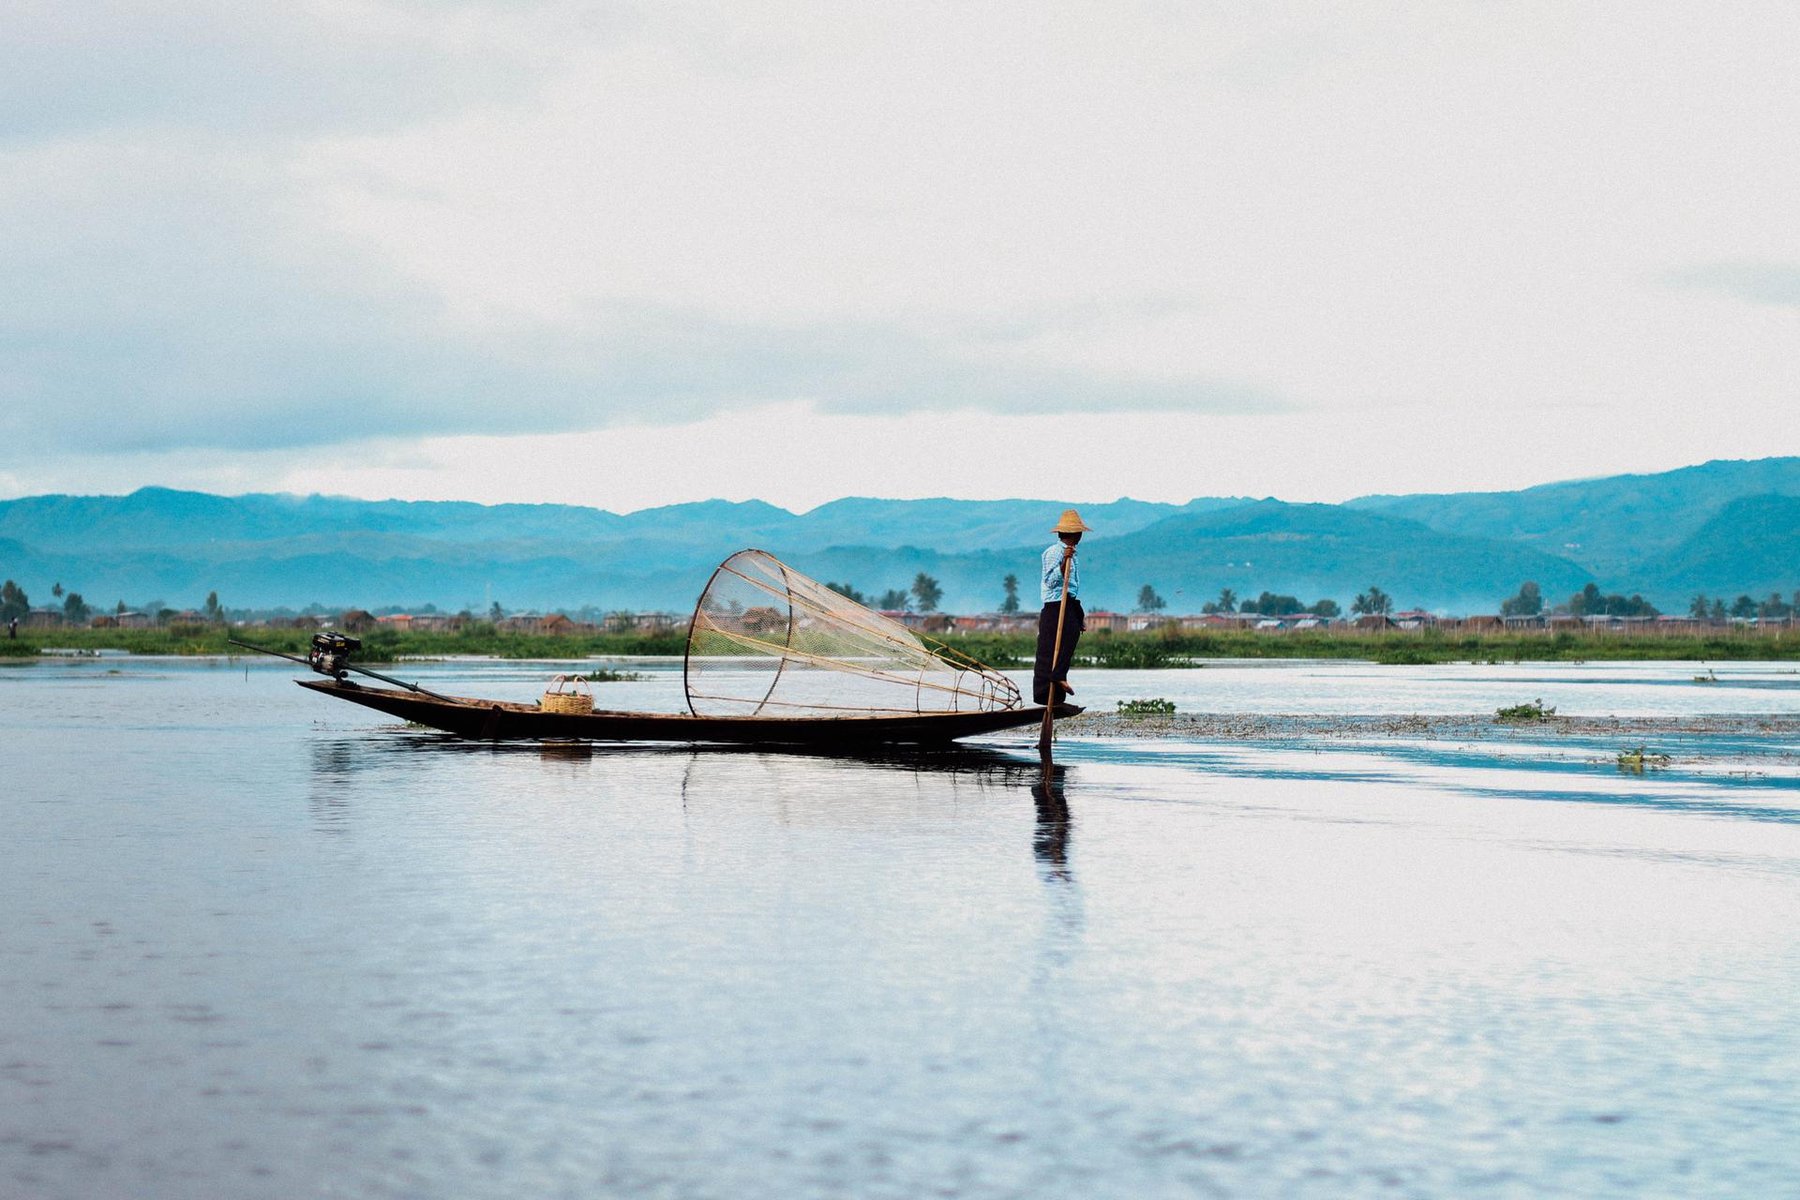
x=568, y=694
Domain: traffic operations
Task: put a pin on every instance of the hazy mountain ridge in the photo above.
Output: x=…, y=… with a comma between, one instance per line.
x=1613, y=525
x=970, y=524
x=1721, y=528
x=1322, y=550
x=1754, y=541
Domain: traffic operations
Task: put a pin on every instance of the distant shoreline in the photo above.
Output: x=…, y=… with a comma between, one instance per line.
x=1009, y=651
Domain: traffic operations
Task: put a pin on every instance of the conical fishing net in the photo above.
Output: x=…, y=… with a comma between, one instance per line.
x=768, y=641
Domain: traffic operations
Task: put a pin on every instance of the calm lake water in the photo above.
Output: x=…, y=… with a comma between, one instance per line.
x=259, y=944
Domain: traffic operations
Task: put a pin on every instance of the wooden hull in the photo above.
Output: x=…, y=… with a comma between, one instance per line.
x=498, y=720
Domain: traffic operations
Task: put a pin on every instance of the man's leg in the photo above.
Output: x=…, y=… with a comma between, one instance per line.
x=1046, y=645
x=1073, y=624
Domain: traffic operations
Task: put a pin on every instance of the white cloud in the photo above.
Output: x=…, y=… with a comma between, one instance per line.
x=1752, y=282
x=260, y=71
x=1291, y=230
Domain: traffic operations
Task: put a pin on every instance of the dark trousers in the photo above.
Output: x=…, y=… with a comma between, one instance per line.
x=1043, y=670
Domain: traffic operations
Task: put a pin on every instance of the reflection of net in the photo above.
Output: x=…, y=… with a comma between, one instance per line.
x=768, y=641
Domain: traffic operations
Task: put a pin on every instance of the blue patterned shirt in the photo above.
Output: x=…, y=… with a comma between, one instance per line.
x=1050, y=580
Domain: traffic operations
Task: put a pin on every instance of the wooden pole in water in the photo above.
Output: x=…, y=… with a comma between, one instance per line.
x=1062, y=611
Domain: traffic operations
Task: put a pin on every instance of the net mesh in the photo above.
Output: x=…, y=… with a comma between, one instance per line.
x=768, y=641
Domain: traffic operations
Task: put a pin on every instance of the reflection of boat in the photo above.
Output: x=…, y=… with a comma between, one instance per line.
x=773, y=658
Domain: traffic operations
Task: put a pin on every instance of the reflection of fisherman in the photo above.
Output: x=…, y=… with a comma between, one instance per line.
x=1060, y=553
x=1050, y=839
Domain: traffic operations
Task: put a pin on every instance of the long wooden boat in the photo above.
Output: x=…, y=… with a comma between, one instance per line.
x=499, y=720
x=774, y=658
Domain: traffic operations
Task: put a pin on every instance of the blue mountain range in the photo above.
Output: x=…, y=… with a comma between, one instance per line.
x=1722, y=528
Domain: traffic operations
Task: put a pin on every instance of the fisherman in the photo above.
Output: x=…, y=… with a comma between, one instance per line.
x=1057, y=557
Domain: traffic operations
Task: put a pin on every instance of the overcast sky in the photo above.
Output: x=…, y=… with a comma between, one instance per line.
x=628, y=255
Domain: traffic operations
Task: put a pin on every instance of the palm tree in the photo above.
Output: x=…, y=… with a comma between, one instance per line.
x=1011, y=603
x=928, y=592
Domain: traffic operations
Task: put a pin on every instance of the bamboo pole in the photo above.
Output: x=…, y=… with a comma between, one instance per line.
x=1062, y=611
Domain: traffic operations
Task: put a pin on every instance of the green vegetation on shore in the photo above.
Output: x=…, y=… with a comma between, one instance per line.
x=1157, y=649
x=1008, y=650
x=380, y=645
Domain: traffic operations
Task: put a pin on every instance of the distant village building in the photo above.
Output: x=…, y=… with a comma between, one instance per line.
x=647, y=622
x=1215, y=621
x=43, y=618
x=1607, y=623
x=926, y=622
x=356, y=620
x=553, y=624
x=923, y=622
x=994, y=622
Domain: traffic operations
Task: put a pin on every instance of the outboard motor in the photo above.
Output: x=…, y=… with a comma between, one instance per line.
x=331, y=652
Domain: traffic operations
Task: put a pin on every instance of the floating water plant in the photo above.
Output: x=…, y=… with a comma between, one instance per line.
x=1520, y=714
x=1157, y=707
x=1640, y=760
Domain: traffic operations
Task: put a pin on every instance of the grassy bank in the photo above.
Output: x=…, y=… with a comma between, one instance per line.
x=1127, y=650
x=381, y=645
x=1100, y=649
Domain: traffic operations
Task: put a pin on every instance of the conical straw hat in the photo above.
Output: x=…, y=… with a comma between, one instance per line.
x=1071, y=523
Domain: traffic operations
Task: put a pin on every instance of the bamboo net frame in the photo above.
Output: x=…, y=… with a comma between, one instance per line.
x=767, y=640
